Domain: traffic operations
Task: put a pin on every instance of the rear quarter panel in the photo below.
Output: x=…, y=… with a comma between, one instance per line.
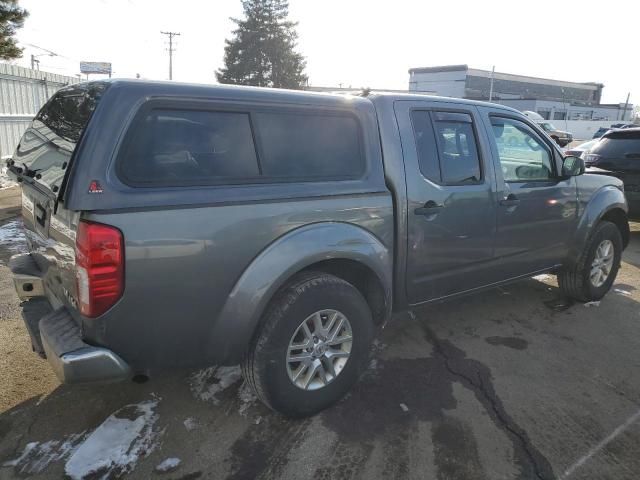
x=182, y=264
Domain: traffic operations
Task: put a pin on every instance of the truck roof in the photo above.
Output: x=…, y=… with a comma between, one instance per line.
x=278, y=94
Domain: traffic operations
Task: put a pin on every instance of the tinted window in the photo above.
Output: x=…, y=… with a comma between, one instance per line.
x=47, y=146
x=306, y=146
x=189, y=147
x=456, y=141
x=426, y=145
x=523, y=155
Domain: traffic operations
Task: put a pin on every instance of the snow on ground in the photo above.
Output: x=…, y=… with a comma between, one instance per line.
x=247, y=398
x=115, y=446
x=12, y=239
x=5, y=181
x=37, y=456
x=207, y=383
x=168, y=465
x=190, y=423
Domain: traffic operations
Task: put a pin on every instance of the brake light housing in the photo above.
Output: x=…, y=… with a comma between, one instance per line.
x=99, y=267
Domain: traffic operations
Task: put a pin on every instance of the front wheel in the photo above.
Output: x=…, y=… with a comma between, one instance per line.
x=596, y=269
x=312, y=345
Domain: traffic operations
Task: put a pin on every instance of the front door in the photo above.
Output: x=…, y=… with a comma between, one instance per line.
x=537, y=208
x=451, y=198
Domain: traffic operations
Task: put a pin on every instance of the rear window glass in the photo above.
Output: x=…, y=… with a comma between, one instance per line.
x=189, y=146
x=617, y=147
x=304, y=146
x=196, y=147
x=48, y=144
x=459, y=159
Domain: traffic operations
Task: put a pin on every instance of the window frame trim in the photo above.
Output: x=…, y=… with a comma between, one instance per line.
x=437, y=109
x=224, y=106
x=555, y=175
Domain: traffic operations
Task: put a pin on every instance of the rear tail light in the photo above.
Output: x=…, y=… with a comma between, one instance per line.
x=99, y=267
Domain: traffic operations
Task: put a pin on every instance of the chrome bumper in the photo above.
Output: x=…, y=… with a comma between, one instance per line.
x=56, y=335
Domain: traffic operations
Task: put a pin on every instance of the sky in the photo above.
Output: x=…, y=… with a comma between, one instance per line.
x=358, y=43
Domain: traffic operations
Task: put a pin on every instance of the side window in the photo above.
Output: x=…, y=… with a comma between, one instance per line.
x=176, y=147
x=168, y=146
x=426, y=145
x=316, y=145
x=524, y=157
x=459, y=160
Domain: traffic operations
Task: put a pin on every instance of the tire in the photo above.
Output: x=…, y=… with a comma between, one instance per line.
x=267, y=368
x=575, y=282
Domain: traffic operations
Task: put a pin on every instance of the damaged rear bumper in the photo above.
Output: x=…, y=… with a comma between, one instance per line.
x=57, y=336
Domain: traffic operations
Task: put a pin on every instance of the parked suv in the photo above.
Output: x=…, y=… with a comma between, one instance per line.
x=561, y=137
x=175, y=225
x=618, y=153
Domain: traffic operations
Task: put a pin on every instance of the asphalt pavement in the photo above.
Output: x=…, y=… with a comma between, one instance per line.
x=511, y=383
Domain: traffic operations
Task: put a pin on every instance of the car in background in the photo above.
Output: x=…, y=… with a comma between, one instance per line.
x=561, y=137
x=618, y=154
x=602, y=130
x=582, y=149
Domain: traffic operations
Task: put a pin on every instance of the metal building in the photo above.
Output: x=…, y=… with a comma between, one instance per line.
x=22, y=92
x=553, y=99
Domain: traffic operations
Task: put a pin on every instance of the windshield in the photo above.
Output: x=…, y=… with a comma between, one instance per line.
x=48, y=144
x=548, y=126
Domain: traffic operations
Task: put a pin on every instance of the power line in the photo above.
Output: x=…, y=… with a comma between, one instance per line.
x=171, y=50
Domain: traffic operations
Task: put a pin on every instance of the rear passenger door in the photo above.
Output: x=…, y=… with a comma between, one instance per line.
x=536, y=212
x=451, y=198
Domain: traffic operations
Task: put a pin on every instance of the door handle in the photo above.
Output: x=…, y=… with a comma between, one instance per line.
x=510, y=201
x=429, y=208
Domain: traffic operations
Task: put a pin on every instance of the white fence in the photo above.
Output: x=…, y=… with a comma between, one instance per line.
x=22, y=92
x=582, y=129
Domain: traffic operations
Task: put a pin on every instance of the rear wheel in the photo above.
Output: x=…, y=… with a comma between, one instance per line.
x=312, y=345
x=596, y=269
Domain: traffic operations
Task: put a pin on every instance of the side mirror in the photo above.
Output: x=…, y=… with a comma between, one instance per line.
x=572, y=166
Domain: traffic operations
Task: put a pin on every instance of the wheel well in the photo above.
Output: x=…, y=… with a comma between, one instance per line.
x=618, y=217
x=361, y=277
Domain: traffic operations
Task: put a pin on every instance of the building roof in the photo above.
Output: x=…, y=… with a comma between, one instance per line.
x=504, y=76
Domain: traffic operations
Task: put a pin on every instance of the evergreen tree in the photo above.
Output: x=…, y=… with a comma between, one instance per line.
x=11, y=18
x=262, y=51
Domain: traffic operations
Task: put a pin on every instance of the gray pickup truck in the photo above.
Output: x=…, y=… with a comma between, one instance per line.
x=174, y=225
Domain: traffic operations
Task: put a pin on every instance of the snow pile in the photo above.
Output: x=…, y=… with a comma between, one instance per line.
x=114, y=448
x=619, y=291
x=207, y=383
x=190, y=424
x=5, y=181
x=168, y=465
x=247, y=398
x=37, y=456
x=543, y=277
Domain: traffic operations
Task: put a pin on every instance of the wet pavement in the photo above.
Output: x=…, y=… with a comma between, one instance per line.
x=511, y=383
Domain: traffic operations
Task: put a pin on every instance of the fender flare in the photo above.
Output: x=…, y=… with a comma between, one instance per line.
x=277, y=263
x=606, y=199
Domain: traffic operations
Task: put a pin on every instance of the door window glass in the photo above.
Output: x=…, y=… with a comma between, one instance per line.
x=459, y=159
x=426, y=145
x=524, y=157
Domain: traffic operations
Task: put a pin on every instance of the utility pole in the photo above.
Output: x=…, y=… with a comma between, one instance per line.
x=626, y=104
x=493, y=71
x=171, y=50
